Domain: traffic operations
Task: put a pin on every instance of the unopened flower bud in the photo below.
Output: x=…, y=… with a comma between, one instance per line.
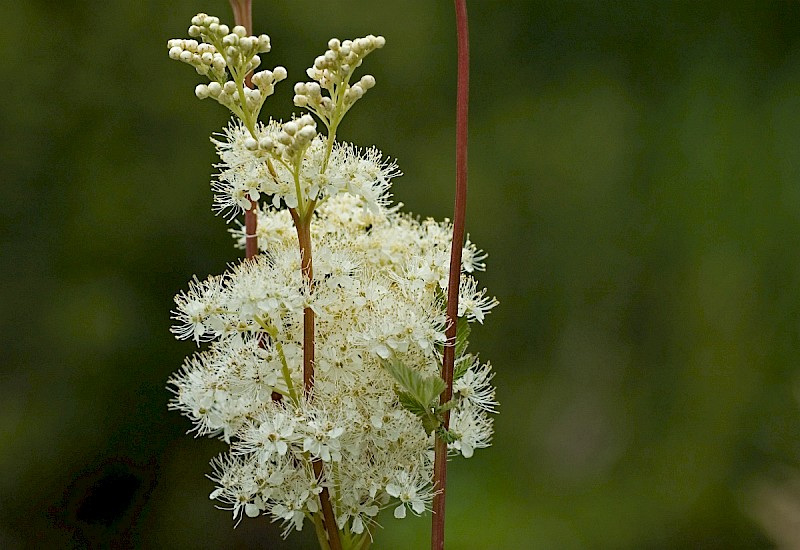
x=307, y=132
x=201, y=91
x=367, y=81
x=214, y=89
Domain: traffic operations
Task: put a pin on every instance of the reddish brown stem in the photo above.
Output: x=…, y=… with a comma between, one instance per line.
x=448, y=361
x=303, y=227
x=250, y=228
x=243, y=15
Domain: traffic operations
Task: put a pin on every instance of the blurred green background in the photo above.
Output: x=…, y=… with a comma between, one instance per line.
x=635, y=177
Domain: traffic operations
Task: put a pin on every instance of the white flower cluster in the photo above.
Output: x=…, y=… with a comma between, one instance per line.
x=377, y=295
x=269, y=164
x=363, y=429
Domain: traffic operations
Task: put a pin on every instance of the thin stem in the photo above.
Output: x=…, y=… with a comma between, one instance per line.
x=327, y=509
x=320, y=529
x=448, y=361
x=243, y=15
x=302, y=222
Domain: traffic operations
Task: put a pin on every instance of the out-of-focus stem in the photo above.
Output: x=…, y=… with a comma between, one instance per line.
x=243, y=15
x=462, y=102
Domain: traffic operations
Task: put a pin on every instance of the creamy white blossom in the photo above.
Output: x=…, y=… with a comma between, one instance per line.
x=378, y=295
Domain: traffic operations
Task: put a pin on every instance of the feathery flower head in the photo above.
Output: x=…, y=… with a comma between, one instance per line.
x=364, y=430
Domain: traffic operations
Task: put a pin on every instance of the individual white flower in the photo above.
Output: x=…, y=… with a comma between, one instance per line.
x=269, y=434
x=472, y=302
x=472, y=257
x=197, y=310
x=322, y=440
x=236, y=487
x=411, y=491
x=472, y=428
x=475, y=387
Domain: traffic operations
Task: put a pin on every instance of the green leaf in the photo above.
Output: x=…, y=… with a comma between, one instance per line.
x=462, y=365
x=462, y=334
x=422, y=389
x=411, y=404
x=430, y=423
x=417, y=394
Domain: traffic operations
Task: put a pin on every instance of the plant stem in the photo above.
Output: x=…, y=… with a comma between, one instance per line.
x=302, y=223
x=303, y=226
x=243, y=15
x=448, y=361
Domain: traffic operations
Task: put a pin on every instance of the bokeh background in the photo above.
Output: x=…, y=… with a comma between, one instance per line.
x=635, y=177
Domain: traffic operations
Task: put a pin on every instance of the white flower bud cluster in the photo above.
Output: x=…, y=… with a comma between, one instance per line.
x=203, y=57
x=241, y=51
x=225, y=50
x=371, y=304
x=333, y=70
x=294, y=138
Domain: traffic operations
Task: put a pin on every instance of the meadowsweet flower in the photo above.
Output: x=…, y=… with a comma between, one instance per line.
x=377, y=294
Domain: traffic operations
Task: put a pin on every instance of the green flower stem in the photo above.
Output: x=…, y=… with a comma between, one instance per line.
x=319, y=528
x=351, y=541
x=301, y=200
x=285, y=372
x=247, y=118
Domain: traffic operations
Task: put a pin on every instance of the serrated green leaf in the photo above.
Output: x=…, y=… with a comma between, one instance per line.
x=462, y=334
x=433, y=386
x=411, y=404
x=462, y=366
x=422, y=389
